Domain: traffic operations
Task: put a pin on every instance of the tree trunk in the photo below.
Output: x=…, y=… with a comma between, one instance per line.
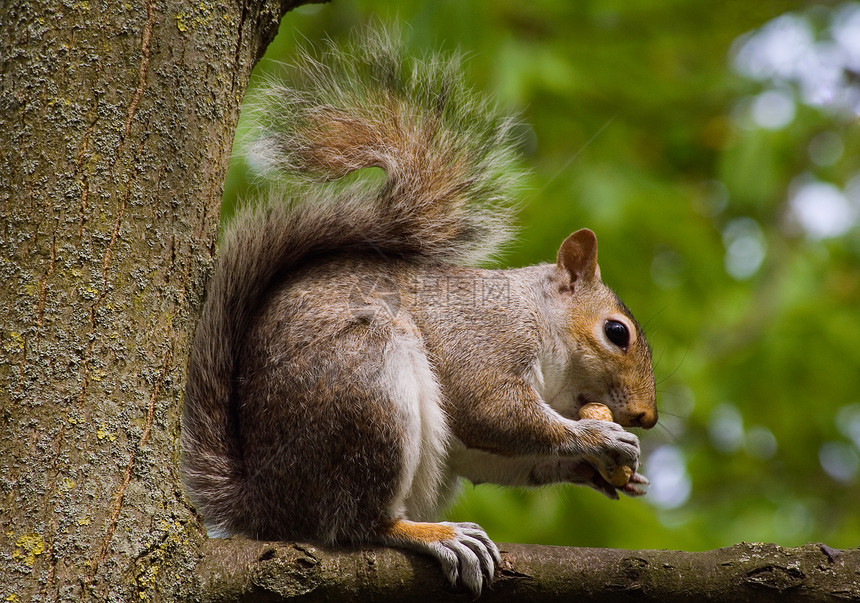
x=117, y=122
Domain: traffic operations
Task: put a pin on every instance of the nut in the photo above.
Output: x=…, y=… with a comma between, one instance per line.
x=621, y=474
x=597, y=412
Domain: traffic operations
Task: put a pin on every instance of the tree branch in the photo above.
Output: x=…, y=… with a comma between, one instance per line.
x=242, y=570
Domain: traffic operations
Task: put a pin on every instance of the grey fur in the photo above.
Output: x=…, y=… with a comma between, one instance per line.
x=448, y=161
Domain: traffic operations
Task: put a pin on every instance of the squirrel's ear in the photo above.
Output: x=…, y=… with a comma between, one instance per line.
x=578, y=257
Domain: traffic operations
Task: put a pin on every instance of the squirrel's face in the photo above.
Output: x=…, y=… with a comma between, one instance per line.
x=610, y=361
x=613, y=363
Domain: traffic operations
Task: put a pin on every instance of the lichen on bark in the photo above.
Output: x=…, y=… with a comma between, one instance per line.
x=117, y=124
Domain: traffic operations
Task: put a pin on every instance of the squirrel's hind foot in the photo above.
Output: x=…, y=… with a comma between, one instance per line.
x=464, y=550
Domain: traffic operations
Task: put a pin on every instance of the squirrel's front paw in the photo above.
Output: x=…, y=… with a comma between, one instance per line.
x=634, y=486
x=609, y=448
x=588, y=475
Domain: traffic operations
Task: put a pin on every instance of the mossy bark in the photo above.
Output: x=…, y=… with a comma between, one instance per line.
x=117, y=121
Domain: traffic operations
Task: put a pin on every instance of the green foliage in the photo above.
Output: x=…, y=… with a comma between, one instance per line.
x=637, y=126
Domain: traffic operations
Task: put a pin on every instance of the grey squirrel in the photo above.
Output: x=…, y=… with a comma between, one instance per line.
x=349, y=367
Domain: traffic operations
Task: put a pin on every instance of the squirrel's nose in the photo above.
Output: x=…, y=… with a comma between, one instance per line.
x=646, y=420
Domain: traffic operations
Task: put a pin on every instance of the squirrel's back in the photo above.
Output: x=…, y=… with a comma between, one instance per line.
x=448, y=162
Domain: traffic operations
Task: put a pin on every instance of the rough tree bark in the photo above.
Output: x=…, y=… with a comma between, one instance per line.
x=117, y=120
x=116, y=124
x=257, y=571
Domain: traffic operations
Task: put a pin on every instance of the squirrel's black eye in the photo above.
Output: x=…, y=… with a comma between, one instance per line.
x=617, y=333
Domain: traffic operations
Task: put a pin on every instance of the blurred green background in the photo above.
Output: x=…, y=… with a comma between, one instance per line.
x=713, y=147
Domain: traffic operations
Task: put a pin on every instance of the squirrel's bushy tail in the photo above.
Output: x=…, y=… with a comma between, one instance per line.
x=448, y=159
x=447, y=154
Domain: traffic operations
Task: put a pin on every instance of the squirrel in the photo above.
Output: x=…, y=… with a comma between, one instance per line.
x=352, y=365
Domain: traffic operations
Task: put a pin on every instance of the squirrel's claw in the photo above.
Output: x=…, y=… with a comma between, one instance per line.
x=600, y=484
x=638, y=478
x=632, y=488
x=468, y=558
